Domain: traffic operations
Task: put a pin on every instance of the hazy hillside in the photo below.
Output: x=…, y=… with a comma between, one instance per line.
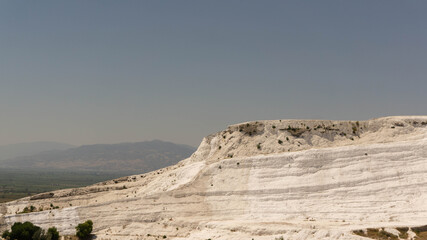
x=136, y=157
x=26, y=149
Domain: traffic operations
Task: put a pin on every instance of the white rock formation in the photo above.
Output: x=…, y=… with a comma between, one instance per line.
x=300, y=179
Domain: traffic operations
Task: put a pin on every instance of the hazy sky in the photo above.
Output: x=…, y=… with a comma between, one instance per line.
x=85, y=72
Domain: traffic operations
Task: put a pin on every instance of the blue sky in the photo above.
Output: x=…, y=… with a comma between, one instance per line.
x=85, y=72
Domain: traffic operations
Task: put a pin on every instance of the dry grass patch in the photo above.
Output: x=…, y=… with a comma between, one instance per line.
x=421, y=232
x=403, y=232
x=376, y=233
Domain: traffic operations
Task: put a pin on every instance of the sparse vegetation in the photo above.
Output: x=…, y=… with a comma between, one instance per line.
x=375, y=233
x=248, y=128
x=381, y=234
x=53, y=206
x=295, y=131
x=28, y=209
x=421, y=232
x=399, y=124
x=403, y=232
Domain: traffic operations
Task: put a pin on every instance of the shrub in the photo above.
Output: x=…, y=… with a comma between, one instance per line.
x=21, y=231
x=29, y=231
x=52, y=234
x=258, y=146
x=5, y=234
x=280, y=141
x=83, y=230
x=39, y=235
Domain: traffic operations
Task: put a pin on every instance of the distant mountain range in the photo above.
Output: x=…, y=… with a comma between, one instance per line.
x=129, y=158
x=26, y=149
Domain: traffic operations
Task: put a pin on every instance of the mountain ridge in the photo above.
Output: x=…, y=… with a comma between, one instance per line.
x=29, y=148
x=127, y=157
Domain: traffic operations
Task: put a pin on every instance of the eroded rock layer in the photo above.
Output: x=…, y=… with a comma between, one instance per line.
x=299, y=179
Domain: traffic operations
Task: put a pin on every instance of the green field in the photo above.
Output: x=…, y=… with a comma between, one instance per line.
x=16, y=183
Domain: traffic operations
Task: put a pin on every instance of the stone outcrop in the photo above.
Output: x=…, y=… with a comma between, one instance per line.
x=296, y=179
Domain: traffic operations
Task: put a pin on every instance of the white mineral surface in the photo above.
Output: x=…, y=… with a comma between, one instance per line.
x=296, y=179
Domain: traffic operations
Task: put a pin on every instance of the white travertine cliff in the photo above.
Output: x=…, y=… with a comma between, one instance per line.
x=296, y=179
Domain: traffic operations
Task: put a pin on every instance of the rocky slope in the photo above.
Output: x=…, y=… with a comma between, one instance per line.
x=299, y=179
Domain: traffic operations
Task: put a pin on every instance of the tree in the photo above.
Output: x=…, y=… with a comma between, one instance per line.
x=22, y=231
x=83, y=230
x=29, y=231
x=39, y=235
x=52, y=234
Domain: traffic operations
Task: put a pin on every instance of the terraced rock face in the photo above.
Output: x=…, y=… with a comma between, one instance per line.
x=296, y=179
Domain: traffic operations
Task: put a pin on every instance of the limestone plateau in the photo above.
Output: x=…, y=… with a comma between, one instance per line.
x=290, y=179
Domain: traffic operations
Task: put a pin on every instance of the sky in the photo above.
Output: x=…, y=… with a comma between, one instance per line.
x=88, y=72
